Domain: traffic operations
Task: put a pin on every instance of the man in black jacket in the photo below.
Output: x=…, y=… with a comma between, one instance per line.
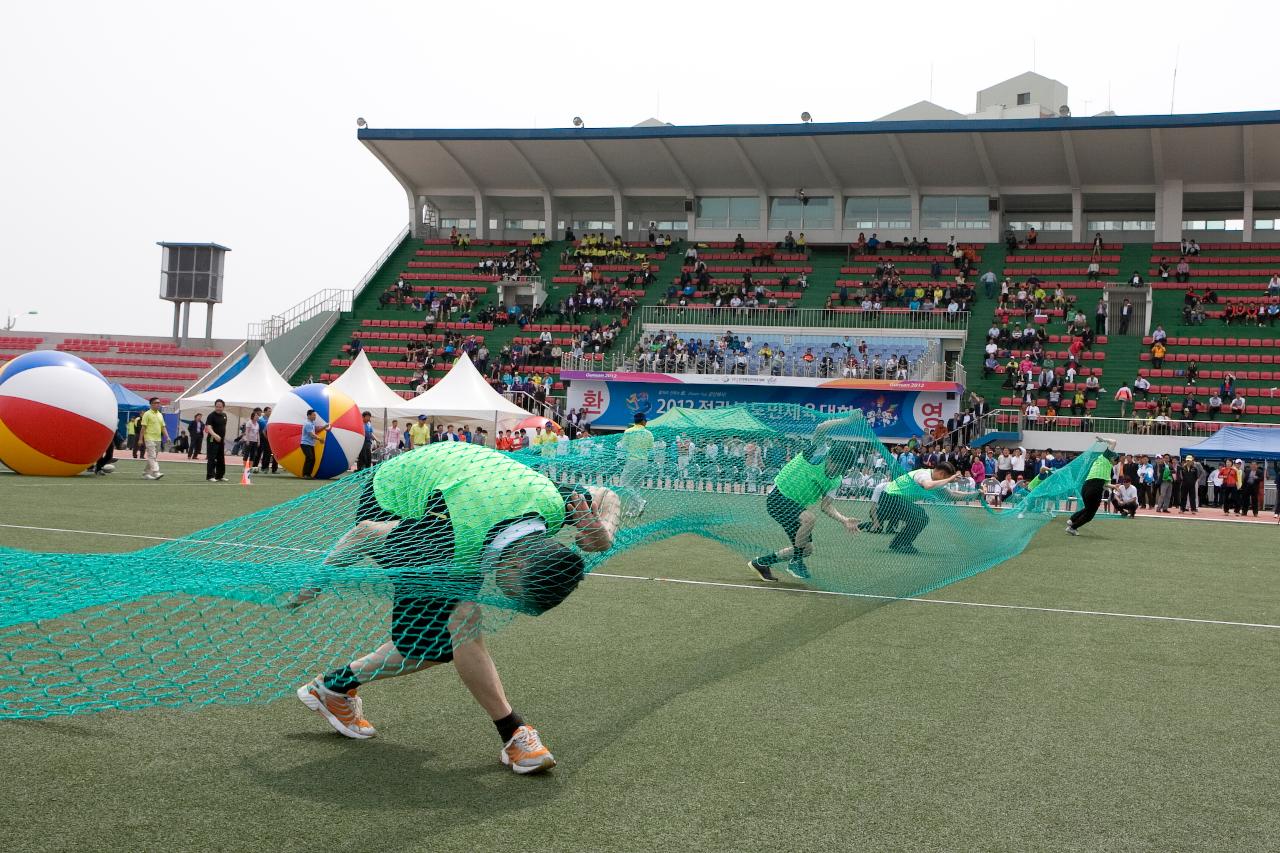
x=1250, y=489
x=215, y=430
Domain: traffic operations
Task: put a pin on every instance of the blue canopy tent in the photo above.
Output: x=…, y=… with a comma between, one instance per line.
x=1236, y=442
x=127, y=402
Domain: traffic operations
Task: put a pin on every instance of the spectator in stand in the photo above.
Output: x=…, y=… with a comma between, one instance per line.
x=1124, y=498
x=1100, y=317
x=1094, y=271
x=1097, y=244
x=1158, y=351
x=1273, y=286
x=1183, y=274
x=1124, y=396
x=1142, y=387
x=1136, y=280
x=1193, y=248
x=195, y=433
x=216, y=435
x=1032, y=236
x=1238, y=405
x=152, y=433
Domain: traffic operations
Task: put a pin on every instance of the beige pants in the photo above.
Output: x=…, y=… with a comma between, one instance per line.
x=153, y=457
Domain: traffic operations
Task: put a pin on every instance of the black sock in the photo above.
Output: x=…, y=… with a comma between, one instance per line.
x=507, y=725
x=341, y=680
x=767, y=560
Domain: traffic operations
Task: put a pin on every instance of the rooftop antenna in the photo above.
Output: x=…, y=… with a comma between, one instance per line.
x=931, y=80
x=1173, y=89
x=1033, y=55
x=1108, y=96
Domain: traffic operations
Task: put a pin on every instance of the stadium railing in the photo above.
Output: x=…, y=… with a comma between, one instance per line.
x=849, y=318
x=1016, y=420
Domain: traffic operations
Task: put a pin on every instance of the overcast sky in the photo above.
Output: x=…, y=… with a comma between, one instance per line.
x=128, y=123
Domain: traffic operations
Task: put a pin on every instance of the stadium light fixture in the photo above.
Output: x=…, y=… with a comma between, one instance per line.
x=806, y=118
x=361, y=123
x=577, y=121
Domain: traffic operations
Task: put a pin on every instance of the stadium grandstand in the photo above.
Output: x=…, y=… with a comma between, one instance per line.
x=652, y=265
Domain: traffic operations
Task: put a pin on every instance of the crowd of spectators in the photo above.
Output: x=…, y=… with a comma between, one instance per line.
x=667, y=352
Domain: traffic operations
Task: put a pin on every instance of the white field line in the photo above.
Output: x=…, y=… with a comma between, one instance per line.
x=753, y=587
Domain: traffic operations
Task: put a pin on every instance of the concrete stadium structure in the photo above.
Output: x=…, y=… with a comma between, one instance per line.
x=1145, y=178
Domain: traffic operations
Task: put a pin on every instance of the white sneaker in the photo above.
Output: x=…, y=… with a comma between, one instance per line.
x=213, y=479
x=159, y=474
x=1071, y=531
x=148, y=476
x=524, y=753
x=345, y=712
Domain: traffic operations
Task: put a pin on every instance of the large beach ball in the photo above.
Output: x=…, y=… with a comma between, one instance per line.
x=529, y=426
x=336, y=448
x=57, y=414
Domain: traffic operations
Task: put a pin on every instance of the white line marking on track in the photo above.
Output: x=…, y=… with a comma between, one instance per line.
x=782, y=589
x=1026, y=607
x=162, y=538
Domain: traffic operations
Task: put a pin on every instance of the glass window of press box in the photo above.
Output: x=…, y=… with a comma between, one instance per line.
x=959, y=212
x=728, y=212
x=863, y=213
x=790, y=212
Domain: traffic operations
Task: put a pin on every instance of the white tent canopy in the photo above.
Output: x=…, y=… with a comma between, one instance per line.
x=362, y=383
x=465, y=395
x=259, y=384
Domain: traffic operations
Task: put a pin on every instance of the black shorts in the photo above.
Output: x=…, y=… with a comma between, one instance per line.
x=425, y=592
x=784, y=511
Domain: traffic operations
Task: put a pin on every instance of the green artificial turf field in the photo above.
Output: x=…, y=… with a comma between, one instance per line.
x=722, y=715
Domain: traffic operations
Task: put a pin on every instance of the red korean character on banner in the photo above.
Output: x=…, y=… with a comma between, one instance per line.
x=592, y=402
x=931, y=415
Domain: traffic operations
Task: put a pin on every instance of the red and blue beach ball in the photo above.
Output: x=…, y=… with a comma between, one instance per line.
x=57, y=414
x=336, y=448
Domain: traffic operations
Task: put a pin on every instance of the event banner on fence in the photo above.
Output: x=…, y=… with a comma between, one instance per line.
x=896, y=413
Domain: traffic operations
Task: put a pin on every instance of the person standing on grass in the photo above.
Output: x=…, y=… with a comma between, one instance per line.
x=252, y=439
x=264, y=443
x=152, y=432
x=1251, y=485
x=195, y=436
x=312, y=427
x=420, y=433
x=391, y=441
x=1230, y=485
x=1095, y=483
x=1163, y=483
x=1189, y=485
x=216, y=443
x=132, y=441
x=365, y=457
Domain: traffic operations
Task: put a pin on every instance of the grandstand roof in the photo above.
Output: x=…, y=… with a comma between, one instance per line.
x=1202, y=150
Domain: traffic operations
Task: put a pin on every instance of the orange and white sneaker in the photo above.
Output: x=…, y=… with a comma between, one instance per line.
x=524, y=753
x=343, y=711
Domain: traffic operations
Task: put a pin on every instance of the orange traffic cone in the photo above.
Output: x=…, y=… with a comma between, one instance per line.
x=244, y=478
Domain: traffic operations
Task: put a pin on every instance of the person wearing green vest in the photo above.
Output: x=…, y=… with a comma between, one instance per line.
x=809, y=478
x=897, y=503
x=637, y=443
x=446, y=520
x=1095, y=483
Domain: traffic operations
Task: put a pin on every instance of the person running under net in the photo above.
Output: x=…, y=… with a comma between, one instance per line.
x=454, y=523
x=1095, y=484
x=811, y=477
x=898, y=503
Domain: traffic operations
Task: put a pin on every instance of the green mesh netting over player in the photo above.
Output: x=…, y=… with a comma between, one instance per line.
x=438, y=544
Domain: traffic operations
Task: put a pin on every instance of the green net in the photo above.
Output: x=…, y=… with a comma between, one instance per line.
x=448, y=542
